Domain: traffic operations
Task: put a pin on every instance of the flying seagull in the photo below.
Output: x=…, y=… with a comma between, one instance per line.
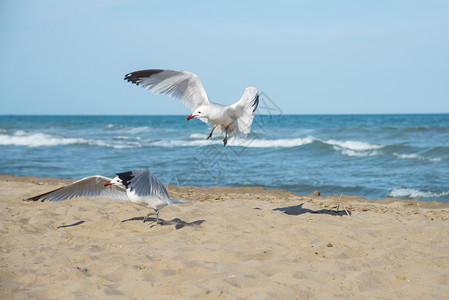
x=138, y=186
x=187, y=87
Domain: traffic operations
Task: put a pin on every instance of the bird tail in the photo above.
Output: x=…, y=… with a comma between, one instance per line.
x=176, y=201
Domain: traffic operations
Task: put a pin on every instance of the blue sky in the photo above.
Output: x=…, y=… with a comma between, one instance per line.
x=309, y=56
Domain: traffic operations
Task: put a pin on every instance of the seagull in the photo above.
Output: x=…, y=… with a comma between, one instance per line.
x=138, y=186
x=187, y=87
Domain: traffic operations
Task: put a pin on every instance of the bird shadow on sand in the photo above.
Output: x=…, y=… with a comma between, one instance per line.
x=176, y=221
x=297, y=210
x=71, y=225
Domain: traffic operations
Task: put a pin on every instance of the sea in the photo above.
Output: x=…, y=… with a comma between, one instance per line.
x=404, y=156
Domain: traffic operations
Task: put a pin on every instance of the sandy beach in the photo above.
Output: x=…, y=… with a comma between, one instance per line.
x=226, y=243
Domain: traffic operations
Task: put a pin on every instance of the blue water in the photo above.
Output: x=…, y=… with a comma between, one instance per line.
x=375, y=156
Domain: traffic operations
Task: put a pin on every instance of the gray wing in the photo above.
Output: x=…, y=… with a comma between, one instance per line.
x=92, y=186
x=182, y=85
x=144, y=183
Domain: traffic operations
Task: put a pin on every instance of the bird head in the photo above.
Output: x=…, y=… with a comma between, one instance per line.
x=115, y=181
x=200, y=112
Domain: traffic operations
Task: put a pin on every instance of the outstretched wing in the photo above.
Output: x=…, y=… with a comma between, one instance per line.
x=182, y=85
x=243, y=110
x=143, y=183
x=92, y=186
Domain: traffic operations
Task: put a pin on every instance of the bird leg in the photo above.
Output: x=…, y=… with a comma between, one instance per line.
x=210, y=134
x=157, y=216
x=225, y=141
x=146, y=217
x=149, y=214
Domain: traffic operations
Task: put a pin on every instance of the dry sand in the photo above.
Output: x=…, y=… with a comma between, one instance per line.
x=223, y=243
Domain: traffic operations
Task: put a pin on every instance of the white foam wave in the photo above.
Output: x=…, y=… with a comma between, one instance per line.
x=198, y=136
x=353, y=145
x=139, y=129
x=412, y=193
x=113, y=127
x=20, y=132
x=128, y=129
x=415, y=156
x=353, y=153
x=279, y=143
x=349, y=148
x=407, y=156
x=21, y=138
x=235, y=142
x=354, y=148
x=184, y=143
x=130, y=138
x=99, y=143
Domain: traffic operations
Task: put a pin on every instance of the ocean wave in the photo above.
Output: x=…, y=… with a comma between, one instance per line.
x=415, y=156
x=127, y=138
x=279, y=143
x=354, y=153
x=353, y=145
x=20, y=133
x=412, y=193
x=416, y=129
x=100, y=143
x=127, y=129
x=139, y=129
x=198, y=136
x=234, y=142
x=348, y=148
x=354, y=148
x=21, y=138
x=188, y=143
x=24, y=139
x=112, y=127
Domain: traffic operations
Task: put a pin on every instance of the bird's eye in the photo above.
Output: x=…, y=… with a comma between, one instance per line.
x=199, y=112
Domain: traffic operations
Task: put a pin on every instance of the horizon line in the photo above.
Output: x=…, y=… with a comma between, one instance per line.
x=174, y=115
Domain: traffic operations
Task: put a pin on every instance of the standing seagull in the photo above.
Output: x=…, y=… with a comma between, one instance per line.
x=138, y=186
x=187, y=88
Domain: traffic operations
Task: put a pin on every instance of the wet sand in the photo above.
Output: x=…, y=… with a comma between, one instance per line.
x=222, y=243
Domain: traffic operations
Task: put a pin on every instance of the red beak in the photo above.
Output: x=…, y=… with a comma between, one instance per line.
x=191, y=117
x=106, y=184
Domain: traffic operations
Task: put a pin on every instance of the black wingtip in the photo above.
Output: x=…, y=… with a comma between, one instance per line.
x=255, y=102
x=136, y=77
x=32, y=199
x=126, y=177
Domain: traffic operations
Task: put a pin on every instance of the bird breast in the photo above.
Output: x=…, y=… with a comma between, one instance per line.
x=147, y=201
x=218, y=114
